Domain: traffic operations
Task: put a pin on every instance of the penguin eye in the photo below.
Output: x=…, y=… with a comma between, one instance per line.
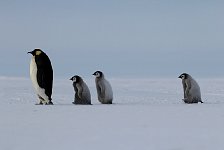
x=183, y=76
x=97, y=74
x=74, y=79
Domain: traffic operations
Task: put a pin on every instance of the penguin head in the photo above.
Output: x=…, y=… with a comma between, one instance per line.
x=76, y=79
x=98, y=74
x=183, y=76
x=36, y=52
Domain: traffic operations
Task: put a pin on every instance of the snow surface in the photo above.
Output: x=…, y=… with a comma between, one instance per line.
x=148, y=114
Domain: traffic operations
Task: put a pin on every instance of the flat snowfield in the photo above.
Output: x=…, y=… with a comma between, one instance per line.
x=147, y=114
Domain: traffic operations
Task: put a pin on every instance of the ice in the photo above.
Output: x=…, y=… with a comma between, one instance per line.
x=146, y=114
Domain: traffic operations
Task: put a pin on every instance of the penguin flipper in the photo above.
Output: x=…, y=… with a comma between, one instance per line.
x=184, y=88
x=102, y=90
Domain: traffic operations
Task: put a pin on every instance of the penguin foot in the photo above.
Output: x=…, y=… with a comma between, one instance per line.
x=50, y=103
x=191, y=102
x=75, y=103
x=107, y=103
x=187, y=101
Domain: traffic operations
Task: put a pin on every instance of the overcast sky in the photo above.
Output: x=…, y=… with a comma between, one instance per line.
x=138, y=38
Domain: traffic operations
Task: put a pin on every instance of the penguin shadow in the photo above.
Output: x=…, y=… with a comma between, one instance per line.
x=93, y=104
x=185, y=101
x=71, y=104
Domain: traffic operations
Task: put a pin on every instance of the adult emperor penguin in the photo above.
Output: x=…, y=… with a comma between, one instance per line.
x=82, y=93
x=41, y=74
x=104, y=89
x=192, y=93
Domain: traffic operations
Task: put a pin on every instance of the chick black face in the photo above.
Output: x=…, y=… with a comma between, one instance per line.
x=36, y=52
x=98, y=74
x=76, y=79
x=183, y=76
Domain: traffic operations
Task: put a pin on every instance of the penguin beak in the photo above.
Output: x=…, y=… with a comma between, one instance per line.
x=29, y=52
x=179, y=77
x=70, y=79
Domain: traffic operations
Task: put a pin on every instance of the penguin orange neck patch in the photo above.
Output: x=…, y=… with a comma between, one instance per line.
x=38, y=53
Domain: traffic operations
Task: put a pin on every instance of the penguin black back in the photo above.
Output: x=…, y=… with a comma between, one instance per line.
x=44, y=73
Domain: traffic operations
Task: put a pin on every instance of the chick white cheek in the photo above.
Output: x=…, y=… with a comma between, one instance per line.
x=97, y=75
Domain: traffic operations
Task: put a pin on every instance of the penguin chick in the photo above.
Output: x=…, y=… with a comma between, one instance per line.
x=82, y=93
x=104, y=89
x=41, y=74
x=192, y=93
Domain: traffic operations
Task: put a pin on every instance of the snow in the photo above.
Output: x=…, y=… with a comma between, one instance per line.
x=147, y=114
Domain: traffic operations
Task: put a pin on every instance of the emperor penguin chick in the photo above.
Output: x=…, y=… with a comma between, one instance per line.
x=41, y=74
x=82, y=93
x=192, y=93
x=104, y=89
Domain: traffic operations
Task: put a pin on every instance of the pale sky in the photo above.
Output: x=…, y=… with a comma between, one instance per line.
x=136, y=38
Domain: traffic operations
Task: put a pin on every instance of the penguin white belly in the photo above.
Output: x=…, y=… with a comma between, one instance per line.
x=33, y=75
